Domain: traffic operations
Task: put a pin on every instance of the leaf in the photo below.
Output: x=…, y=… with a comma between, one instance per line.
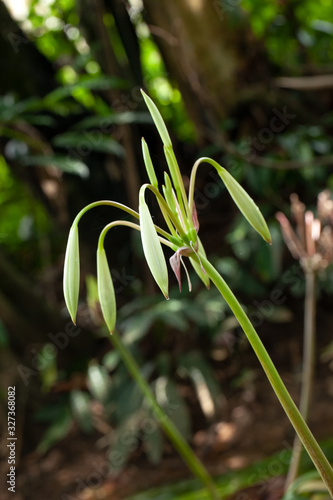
x=10, y=111
x=41, y=120
x=153, y=442
x=148, y=164
x=168, y=397
x=100, y=83
x=98, y=382
x=137, y=326
x=89, y=141
x=104, y=122
x=71, y=279
x=111, y=360
x=245, y=204
x=80, y=404
x=128, y=400
x=64, y=163
x=106, y=293
x=125, y=440
x=152, y=248
x=158, y=120
x=56, y=431
x=206, y=387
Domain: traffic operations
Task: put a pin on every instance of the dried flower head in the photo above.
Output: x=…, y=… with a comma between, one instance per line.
x=312, y=241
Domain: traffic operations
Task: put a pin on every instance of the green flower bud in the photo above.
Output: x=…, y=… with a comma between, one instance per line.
x=245, y=204
x=148, y=164
x=152, y=247
x=106, y=293
x=71, y=281
x=158, y=120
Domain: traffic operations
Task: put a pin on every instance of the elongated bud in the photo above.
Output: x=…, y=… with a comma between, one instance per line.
x=245, y=204
x=106, y=293
x=148, y=164
x=169, y=194
x=158, y=120
x=152, y=248
x=71, y=280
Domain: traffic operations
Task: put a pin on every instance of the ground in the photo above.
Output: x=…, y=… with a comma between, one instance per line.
x=251, y=426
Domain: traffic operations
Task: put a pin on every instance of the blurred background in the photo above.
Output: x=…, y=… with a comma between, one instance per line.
x=249, y=83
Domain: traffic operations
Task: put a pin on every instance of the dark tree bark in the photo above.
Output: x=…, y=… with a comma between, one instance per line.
x=210, y=52
x=23, y=68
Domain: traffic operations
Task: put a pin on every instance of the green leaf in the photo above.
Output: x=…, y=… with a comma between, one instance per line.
x=136, y=327
x=106, y=293
x=152, y=248
x=205, y=384
x=57, y=431
x=91, y=83
x=80, y=403
x=125, y=441
x=148, y=164
x=168, y=397
x=99, y=382
x=153, y=439
x=245, y=203
x=89, y=141
x=71, y=280
x=104, y=122
x=64, y=163
x=158, y=120
x=168, y=194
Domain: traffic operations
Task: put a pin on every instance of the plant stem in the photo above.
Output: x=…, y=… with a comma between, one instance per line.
x=185, y=451
x=307, y=368
x=309, y=442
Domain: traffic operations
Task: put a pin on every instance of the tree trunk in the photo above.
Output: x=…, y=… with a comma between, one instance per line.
x=208, y=48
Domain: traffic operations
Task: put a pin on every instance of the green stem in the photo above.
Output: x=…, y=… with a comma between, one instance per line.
x=116, y=205
x=185, y=451
x=317, y=456
x=307, y=369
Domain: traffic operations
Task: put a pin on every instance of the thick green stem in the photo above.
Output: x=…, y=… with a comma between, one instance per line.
x=185, y=451
x=317, y=456
x=307, y=368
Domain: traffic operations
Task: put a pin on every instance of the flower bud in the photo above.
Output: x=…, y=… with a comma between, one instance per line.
x=71, y=280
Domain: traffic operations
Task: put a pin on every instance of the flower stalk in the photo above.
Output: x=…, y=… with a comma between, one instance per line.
x=179, y=213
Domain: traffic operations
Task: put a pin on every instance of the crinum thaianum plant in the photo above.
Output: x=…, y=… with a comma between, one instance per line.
x=179, y=213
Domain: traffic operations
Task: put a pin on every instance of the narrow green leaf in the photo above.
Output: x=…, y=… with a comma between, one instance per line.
x=89, y=141
x=71, y=280
x=149, y=164
x=158, y=120
x=70, y=165
x=90, y=83
x=152, y=248
x=80, y=404
x=169, y=398
x=99, y=382
x=245, y=204
x=106, y=121
x=169, y=194
x=206, y=386
x=106, y=293
x=58, y=429
x=153, y=440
